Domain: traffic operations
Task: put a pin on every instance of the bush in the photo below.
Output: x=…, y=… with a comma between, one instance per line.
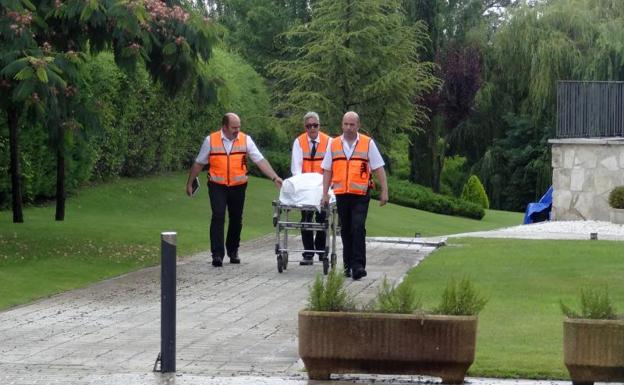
x=616, y=198
x=460, y=299
x=408, y=194
x=329, y=295
x=453, y=176
x=474, y=192
x=595, y=304
x=397, y=300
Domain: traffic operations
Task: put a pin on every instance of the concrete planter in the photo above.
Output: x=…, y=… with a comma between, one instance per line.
x=616, y=216
x=340, y=342
x=593, y=350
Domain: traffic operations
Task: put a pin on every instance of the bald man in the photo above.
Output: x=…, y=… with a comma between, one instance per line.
x=348, y=168
x=225, y=152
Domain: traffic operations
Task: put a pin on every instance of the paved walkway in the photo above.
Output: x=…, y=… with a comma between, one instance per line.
x=238, y=320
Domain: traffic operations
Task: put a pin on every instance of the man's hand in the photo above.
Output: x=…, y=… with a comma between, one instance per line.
x=278, y=182
x=325, y=200
x=383, y=198
x=189, y=189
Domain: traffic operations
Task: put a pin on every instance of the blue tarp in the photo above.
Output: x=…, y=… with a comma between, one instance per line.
x=539, y=211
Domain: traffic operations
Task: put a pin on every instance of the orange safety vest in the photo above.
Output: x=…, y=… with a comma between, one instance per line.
x=313, y=164
x=351, y=176
x=228, y=169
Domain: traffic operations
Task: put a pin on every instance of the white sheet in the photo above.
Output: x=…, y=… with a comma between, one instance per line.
x=304, y=190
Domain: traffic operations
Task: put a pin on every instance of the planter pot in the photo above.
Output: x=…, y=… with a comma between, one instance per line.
x=593, y=350
x=340, y=342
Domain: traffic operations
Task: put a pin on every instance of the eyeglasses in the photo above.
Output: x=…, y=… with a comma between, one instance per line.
x=312, y=125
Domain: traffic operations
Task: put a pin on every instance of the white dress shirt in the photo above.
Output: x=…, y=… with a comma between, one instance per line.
x=296, y=161
x=374, y=156
x=252, y=149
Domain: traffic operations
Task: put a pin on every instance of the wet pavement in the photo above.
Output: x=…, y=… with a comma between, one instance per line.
x=233, y=321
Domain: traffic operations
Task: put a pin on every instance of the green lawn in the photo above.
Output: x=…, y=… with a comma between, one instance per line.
x=114, y=228
x=520, y=329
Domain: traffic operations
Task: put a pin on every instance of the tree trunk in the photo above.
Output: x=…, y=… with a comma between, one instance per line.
x=16, y=186
x=60, y=174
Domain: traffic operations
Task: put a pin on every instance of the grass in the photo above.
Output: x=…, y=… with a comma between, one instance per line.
x=520, y=329
x=114, y=228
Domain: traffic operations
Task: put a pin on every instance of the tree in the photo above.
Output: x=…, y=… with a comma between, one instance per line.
x=355, y=55
x=458, y=30
x=44, y=43
x=537, y=46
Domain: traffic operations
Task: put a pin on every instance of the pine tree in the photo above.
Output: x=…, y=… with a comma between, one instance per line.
x=360, y=56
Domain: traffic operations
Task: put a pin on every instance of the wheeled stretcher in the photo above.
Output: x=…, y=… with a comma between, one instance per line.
x=283, y=224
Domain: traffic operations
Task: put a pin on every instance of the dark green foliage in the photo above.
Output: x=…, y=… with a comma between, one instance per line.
x=474, y=192
x=329, y=294
x=616, y=198
x=454, y=176
x=460, y=299
x=143, y=130
x=400, y=299
x=595, y=304
x=409, y=194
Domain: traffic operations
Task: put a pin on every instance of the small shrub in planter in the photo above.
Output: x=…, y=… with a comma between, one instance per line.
x=374, y=342
x=330, y=294
x=400, y=299
x=593, y=340
x=461, y=299
x=595, y=304
x=616, y=198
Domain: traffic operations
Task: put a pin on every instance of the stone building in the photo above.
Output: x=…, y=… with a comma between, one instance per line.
x=588, y=152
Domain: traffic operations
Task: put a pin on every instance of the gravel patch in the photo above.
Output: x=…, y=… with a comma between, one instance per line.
x=555, y=230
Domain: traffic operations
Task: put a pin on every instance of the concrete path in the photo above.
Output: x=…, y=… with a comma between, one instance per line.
x=236, y=324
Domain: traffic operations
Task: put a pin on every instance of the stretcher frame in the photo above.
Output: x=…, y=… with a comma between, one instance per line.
x=283, y=224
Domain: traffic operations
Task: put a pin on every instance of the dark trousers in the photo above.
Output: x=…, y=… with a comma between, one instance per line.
x=352, y=210
x=233, y=198
x=310, y=241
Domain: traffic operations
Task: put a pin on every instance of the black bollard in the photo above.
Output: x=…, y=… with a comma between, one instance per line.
x=168, y=301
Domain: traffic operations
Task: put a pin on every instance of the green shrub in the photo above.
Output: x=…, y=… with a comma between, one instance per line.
x=404, y=193
x=453, y=176
x=616, y=198
x=400, y=299
x=460, y=299
x=474, y=192
x=595, y=304
x=329, y=294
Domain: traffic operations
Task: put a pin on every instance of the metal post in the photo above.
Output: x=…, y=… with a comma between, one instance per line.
x=168, y=301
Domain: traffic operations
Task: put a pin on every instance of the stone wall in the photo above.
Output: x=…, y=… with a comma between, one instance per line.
x=584, y=173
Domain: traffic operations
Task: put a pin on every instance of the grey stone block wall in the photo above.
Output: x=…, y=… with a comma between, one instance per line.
x=584, y=173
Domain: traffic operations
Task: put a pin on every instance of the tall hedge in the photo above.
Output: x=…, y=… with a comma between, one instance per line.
x=474, y=192
x=143, y=131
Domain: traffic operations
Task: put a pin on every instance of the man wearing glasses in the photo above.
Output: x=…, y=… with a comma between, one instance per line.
x=308, y=152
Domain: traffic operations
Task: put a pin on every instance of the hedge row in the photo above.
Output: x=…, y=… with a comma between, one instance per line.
x=407, y=194
x=143, y=131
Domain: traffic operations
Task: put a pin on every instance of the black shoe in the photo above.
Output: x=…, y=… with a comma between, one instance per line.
x=359, y=273
x=347, y=272
x=217, y=261
x=308, y=259
x=234, y=257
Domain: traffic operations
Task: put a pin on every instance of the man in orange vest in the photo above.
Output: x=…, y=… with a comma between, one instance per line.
x=347, y=167
x=308, y=152
x=225, y=152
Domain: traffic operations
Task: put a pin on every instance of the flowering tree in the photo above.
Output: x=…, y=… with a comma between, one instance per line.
x=44, y=44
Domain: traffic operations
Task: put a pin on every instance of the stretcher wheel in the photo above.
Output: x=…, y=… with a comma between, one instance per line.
x=280, y=264
x=333, y=260
x=285, y=260
x=325, y=266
